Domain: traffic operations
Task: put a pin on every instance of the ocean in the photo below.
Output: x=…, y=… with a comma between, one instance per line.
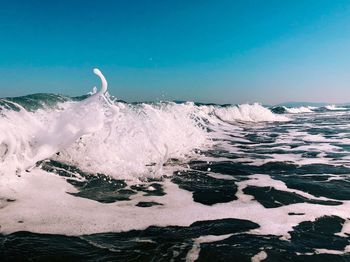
x=93, y=178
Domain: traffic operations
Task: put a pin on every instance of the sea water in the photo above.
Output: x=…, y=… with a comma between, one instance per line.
x=94, y=178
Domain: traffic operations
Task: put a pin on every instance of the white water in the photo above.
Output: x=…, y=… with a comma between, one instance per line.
x=246, y=112
x=298, y=110
x=121, y=140
x=334, y=108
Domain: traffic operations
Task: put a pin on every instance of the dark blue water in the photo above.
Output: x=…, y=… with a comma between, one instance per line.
x=262, y=173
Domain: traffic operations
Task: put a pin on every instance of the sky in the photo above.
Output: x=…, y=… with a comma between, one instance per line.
x=221, y=51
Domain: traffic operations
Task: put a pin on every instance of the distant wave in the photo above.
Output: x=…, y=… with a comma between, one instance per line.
x=306, y=109
x=247, y=112
x=302, y=109
x=335, y=108
x=293, y=110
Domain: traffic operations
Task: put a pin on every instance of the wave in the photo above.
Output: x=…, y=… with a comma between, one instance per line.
x=101, y=135
x=306, y=109
x=335, y=108
x=298, y=110
x=247, y=112
x=293, y=110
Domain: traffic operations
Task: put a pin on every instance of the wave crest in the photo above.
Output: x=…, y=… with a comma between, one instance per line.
x=123, y=140
x=248, y=112
x=299, y=110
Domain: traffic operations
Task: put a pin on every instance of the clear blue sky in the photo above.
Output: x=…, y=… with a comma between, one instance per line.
x=224, y=51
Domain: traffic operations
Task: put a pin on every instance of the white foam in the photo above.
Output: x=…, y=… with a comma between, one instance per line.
x=329, y=251
x=334, y=108
x=347, y=249
x=30, y=137
x=299, y=110
x=193, y=254
x=345, y=229
x=44, y=207
x=121, y=140
x=129, y=141
x=135, y=138
x=246, y=112
x=262, y=255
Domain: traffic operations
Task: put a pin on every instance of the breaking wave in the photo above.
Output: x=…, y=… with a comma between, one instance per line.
x=99, y=134
x=247, y=112
x=207, y=168
x=298, y=110
x=335, y=108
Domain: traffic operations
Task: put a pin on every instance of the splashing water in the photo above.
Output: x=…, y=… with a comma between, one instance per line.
x=194, y=181
x=121, y=140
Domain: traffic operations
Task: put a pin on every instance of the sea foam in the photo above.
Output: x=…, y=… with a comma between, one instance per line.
x=122, y=140
x=248, y=112
x=298, y=110
x=130, y=141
